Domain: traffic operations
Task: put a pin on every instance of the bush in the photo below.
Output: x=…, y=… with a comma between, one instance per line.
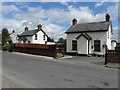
x=118, y=46
x=8, y=47
x=5, y=47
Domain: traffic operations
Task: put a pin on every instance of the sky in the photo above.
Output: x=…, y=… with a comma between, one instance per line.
x=56, y=17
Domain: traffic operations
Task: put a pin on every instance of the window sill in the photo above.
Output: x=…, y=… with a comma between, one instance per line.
x=73, y=50
x=97, y=51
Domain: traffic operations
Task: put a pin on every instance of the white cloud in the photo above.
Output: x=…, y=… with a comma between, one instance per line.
x=113, y=11
x=11, y=24
x=64, y=3
x=98, y=4
x=83, y=15
x=55, y=31
x=9, y=8
x=115, y=33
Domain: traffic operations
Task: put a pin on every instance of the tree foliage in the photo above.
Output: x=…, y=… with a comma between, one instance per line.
x=118, y=46
x=5, y=36
x=61, y=41
x=50, y=40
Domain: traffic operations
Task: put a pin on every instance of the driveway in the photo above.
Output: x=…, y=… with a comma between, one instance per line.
x=90, y=60
x=38, y=72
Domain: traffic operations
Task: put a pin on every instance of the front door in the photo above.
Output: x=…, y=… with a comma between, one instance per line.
x=82, y=45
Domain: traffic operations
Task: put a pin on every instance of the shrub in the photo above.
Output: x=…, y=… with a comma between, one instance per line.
x=118, y=46
x=5, y=47
x=10, y=48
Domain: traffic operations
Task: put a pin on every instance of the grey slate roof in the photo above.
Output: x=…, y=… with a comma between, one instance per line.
x=31, y=33
x=85, y=35
x=89, y=27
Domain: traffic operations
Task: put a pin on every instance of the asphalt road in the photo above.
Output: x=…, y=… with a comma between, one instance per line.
x=37, y=72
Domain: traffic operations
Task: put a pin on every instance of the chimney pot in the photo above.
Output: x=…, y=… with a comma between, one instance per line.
x=74, y=21
x=26, y=29
x=39, y=26
x=107, y=17
x=13, y=31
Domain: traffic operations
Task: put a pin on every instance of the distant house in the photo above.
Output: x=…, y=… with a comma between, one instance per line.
x=36, y=36
x=90, y=38
x=13, y=37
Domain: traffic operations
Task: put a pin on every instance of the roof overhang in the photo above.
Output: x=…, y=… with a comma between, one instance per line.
x=86, y=31
x=84, y=35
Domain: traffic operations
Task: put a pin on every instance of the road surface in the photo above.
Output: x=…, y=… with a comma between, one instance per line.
x=78, y=72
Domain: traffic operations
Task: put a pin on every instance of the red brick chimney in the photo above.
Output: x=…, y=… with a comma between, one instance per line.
x=107, y=17
x=26, y=29
x=39, y=26
x=74, y=21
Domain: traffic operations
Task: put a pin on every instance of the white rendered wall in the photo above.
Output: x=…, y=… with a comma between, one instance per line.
x=102, y=36
x=71, y=37
x=113, y=45
x=39, y=38
x=103, y=40
x=109, y=37
x=14, y=37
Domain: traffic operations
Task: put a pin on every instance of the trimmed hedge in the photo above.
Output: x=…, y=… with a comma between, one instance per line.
x=11, y=47
x=8, y=47
x=118, y=46
x=5, y=47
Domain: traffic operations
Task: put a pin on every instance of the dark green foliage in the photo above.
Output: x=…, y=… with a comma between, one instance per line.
x=5, y=36
x=118, y=46
x=5, y=47
x=8, y=47
x=7, y=44
x=61, y=41
x=50, y=40
x=11, y=47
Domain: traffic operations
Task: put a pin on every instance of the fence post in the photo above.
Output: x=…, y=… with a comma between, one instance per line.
x=55, y=48
x=106, y=55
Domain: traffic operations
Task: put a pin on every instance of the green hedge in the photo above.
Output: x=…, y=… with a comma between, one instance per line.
x=118, y=46
x=8, y=47
x=5, y=47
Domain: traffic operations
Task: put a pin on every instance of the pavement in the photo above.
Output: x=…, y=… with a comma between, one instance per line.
x=9, y=83
x=31, y=71
x=46, y=57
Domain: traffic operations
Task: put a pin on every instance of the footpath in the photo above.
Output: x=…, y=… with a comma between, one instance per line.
x=8, y=83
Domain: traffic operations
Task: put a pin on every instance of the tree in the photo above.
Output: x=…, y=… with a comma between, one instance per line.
x=5, y=36
x=118, y=46
x=50, y=40
x=61, y=41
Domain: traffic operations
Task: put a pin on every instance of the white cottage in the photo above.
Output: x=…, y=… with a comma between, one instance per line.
x=89, y=38
x=13, y=37
x=37, y=36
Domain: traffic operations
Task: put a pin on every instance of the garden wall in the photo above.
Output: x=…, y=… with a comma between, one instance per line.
x=40, y=49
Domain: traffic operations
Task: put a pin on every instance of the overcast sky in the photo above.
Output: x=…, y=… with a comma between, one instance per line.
x=56, y=17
